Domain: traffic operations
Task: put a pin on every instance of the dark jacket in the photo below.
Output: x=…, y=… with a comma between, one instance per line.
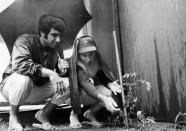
x=29, y=56
x=76, y=70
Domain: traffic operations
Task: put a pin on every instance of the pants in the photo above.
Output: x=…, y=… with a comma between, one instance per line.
x=20, y=89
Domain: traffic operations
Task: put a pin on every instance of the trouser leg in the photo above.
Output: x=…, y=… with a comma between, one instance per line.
x=16, y=90
x=19, y=89
x=46, y=91
x=57, y=99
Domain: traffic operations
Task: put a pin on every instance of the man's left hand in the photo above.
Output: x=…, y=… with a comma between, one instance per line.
x=63, y=65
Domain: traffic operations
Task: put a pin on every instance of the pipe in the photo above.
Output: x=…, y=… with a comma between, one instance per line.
x=120, y=79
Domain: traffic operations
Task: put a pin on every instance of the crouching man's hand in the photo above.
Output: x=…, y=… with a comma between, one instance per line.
x=61, y=85
x=109, y=103
x=54, y=77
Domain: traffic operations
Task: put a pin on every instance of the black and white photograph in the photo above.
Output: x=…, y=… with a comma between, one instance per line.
x=92, y=65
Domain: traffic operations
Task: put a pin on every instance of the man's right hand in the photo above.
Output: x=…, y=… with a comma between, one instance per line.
x=54, y=77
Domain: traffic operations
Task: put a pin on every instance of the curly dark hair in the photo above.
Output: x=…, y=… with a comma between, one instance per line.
x=49, y=21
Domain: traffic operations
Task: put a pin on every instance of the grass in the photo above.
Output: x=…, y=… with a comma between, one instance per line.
x=159, y=126
x=3, y=126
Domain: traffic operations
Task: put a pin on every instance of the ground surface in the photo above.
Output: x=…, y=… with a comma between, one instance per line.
x=61, y=119
x=159, y=126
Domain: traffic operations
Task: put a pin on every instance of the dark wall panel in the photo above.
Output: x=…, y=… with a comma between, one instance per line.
x=152, y=37
x=153, y=34
x=102, y=27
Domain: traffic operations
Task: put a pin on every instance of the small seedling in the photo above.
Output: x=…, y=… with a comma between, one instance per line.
x=144, y=122
x=131, y=84
x=180, y=120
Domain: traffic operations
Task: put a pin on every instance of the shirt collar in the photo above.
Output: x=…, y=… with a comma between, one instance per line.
x=38, y=42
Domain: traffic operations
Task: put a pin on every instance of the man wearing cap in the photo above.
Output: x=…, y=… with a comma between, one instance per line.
x=94, y=80
x=33, y=74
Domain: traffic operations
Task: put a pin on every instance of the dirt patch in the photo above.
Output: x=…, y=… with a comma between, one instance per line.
x=159, y=126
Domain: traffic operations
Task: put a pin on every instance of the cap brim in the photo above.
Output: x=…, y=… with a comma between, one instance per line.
x=87, y=49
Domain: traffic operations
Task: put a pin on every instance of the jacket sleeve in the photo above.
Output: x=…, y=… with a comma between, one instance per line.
x=85, y=83
x=22, y=62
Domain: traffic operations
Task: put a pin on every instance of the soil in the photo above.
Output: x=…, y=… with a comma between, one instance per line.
x=28, y=118
x=159, y=126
